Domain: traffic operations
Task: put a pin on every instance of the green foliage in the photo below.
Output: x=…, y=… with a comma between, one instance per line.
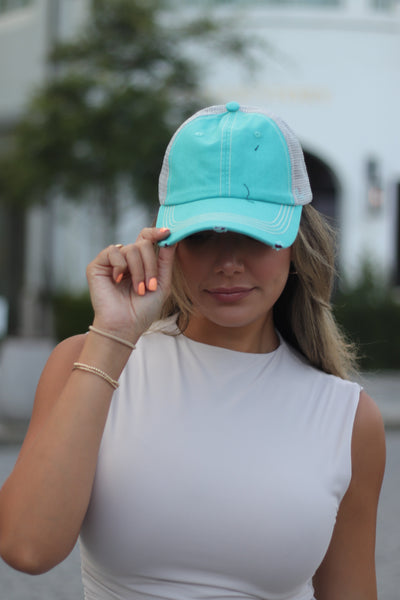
x=116, y=93
x=101, y=120
x=72, y=314
x=369, y=313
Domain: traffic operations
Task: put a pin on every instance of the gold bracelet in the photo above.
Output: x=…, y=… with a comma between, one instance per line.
x=96, y=371
x=112, y=337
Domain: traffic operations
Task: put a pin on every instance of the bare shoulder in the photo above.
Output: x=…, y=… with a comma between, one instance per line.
x=53, y=379
x=65, y=352
x=368, y=414
x=59, y=365
x=348, y=569
x=368, y=447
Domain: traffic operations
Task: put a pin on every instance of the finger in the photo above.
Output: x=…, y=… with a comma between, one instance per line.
x=148, y=239
x=117, y=261
x=165, y=263
x=153, y=234
x=135, y=266
x=110, y=261
x=150, y=264
x=142, y=259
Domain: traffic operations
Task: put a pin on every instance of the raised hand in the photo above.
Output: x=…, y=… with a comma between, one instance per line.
x=129, y=284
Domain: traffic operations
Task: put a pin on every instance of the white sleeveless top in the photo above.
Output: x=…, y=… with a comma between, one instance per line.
x=219, y=476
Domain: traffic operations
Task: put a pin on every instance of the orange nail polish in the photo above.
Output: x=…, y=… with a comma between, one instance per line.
x=152, y=284
x=141, y=289
x=119, y=278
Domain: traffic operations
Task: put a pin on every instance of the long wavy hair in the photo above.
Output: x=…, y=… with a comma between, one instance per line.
x=303, y=314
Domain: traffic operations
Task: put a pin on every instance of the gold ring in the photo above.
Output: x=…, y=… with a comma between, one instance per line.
x=119, y=245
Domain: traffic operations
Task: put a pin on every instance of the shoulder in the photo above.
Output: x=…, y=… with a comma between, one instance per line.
x=65, y=354
x=61, y=360
x=58, y=369
x=368, y=417
x=368, y=443
x=348, y=569
x=52, y=381
x=327, y=385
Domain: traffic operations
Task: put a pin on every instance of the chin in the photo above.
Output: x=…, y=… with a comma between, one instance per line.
x=235, y=318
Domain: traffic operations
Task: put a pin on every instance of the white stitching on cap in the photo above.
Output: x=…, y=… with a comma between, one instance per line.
x=230, y=152
x=280, y=224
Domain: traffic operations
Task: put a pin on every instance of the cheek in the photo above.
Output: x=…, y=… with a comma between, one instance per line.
x=191, y=266
x=275, y=267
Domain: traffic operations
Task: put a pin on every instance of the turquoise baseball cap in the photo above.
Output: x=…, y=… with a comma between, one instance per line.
x=233, y=168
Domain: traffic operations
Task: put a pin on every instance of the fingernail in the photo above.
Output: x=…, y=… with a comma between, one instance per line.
x=164, y=229
x=152, y=284
x=119, y=278
x=141, y=289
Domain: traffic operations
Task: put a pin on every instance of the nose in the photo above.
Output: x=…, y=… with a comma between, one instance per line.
x=228, y=254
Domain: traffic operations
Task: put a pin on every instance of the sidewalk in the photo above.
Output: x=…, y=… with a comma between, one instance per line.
x=383, y=387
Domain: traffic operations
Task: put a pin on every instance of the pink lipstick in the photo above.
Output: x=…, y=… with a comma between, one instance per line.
x=229, y=295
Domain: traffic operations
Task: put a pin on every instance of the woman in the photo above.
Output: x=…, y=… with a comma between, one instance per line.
x=235, y=459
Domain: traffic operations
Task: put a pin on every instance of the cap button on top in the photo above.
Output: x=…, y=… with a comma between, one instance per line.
x=232, y=106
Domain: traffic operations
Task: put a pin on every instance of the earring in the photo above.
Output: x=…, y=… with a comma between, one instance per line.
x=292, y=270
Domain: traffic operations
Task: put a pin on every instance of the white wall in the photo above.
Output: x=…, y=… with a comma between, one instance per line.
x=24, y=44
x=334, y=77
x=22, y=52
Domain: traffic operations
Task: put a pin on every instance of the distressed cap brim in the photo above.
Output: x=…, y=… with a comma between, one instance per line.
x=273, y=224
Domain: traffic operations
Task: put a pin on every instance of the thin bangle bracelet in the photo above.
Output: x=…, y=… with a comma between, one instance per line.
x=98, y=372
x=112, y=337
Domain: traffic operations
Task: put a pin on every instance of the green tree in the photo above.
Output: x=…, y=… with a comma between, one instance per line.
x=116, y=92
x=369, y=312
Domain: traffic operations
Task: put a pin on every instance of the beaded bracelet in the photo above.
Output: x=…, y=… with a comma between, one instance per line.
x=96, y=371
x=111, y=336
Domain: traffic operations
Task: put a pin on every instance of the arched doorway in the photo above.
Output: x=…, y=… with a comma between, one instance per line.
x=324, y=187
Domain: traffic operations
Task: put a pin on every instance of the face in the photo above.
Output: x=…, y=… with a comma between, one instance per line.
x=233, y=280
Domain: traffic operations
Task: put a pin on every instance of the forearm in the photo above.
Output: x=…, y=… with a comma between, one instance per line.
x=44, y=501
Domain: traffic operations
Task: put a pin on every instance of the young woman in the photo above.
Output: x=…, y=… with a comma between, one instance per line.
x=227, y=454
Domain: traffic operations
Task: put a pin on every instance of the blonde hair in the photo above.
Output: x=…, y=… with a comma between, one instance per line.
x=303, y=313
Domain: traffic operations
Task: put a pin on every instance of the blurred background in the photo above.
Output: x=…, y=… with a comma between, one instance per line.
x=90, y=92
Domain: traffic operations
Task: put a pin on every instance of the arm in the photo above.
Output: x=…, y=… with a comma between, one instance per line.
x=348, y=569
x=44, y=501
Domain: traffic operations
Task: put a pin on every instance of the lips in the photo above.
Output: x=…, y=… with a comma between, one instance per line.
x=229, y=295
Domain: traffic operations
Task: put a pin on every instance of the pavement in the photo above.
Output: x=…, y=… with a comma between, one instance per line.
x=383, y=387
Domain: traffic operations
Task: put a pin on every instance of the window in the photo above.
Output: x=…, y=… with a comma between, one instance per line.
x=7, y=5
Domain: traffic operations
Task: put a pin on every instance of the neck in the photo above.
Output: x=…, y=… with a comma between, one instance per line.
x=256, y=337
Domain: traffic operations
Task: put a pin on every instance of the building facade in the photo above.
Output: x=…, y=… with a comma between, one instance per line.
x=330, y=68
x=332, y=72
